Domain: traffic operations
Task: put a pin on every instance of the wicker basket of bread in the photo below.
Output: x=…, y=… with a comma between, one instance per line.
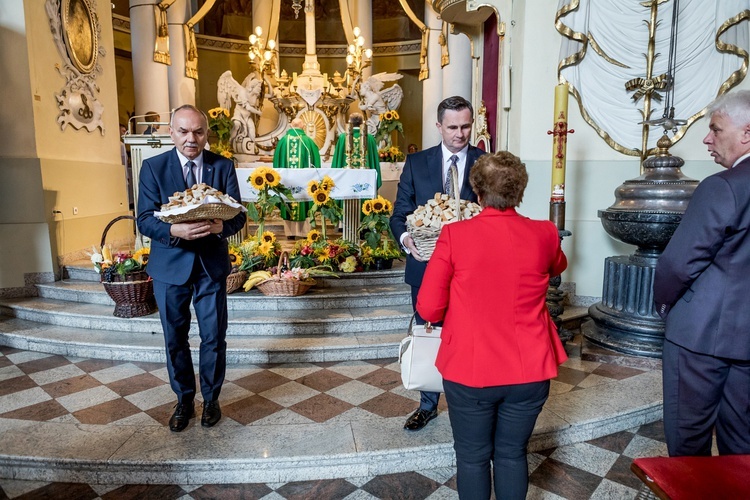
x=425, y=223
x=200, y=202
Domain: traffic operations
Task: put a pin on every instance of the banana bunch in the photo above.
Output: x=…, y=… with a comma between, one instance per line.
x=255, y=278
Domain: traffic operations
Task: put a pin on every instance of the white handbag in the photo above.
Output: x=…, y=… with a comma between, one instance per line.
x=417, y=354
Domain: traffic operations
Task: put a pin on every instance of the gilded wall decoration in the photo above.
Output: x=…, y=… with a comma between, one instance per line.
x=77, y=35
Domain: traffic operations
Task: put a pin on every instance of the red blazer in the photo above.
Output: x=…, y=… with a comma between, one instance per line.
x=487, y=281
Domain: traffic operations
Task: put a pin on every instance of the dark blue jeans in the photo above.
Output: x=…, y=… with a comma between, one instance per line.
x=493, y=424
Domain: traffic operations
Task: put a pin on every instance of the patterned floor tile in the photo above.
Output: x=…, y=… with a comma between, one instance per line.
x=323, y=380
x=616, y=442
x=304, y=490
x=382, y=378
x=145, y=491
x=107, y=413
x=231, y=491
x=289, y=394
x=61, y=491
x=16, y=384
x=565, y=480
x=251, y=409
x=389, y=405
x=404, y=486
x=620, y=473
x=654, y=430
x=617, y=372
x=354, y=392
x=42, y=364
x=40, y=412
x=570, y=376
x=135, y=384
x=115, y=373
x=321, y=407
x=261, y=381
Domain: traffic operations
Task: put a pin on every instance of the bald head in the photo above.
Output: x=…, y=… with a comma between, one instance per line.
x=298, y=123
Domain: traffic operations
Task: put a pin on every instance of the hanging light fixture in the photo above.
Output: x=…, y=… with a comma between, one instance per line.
x=297, y=6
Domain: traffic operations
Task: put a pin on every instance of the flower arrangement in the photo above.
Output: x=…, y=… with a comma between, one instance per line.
x=220, y=124
x=375, y=230
x=315, y=251
x=323, y=204
x=109, y=263
x=267, y=182
x=258, y=252
x=392, y=154
x=389, y=121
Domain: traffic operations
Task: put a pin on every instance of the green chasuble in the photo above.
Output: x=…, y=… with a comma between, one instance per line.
x=355, y=161
x=296, y=150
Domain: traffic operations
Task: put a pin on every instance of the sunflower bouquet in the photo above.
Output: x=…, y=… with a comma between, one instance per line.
x=314, y=251
x=392, y=154
x=267, y=182
x=108, y=263
x=375, y=231
x=389, y=121
x=323, y=204
x=259, y=252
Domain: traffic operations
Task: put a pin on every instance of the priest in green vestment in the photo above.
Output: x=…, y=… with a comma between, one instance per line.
x=354, y=152
x=296, y=150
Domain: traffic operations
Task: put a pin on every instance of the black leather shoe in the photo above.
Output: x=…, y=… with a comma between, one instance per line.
x=419, y=419
x=211, y=413
x=183, y=412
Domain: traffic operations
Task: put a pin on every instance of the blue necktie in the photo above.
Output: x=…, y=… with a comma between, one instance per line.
x=190, y=178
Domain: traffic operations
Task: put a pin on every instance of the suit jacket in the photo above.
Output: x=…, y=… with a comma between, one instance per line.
x=172, y=259
x=701, y=279
x=421, y=178
x=487, y=281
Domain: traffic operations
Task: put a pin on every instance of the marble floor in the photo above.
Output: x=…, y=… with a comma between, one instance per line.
x=38, y=387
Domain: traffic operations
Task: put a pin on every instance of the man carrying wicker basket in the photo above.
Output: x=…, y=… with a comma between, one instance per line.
x=426, y=173
x=189, y=261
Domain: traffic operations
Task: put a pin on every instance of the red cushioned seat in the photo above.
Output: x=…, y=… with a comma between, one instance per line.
x=699, y=478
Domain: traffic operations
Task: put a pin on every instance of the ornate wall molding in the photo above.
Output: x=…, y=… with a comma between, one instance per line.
x=77, y=35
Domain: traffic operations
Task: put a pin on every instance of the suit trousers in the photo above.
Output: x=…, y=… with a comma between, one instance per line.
x=210, y=303
x=428, y=401
x=493, y=424
x=703, y=392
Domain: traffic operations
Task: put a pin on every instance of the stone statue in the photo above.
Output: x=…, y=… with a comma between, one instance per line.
x=248, y=108
x=375, y=101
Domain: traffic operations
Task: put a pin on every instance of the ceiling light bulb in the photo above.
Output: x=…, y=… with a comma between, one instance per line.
x=258, y=30
x=368, y=53
x=272, y=44
x=253, y=39
x=356, y=31
x=349, y=59
x=360, y=41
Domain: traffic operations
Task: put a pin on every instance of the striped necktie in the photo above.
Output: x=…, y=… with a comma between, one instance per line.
x=448, y=185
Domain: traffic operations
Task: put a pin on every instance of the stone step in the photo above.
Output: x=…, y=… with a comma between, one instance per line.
x=85, y=272
x=354, y=296
x=241, y=322
x=149, y=347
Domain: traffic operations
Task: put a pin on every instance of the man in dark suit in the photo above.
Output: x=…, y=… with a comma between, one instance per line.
x=700, y=287
x=425, y=174
x=190, y=261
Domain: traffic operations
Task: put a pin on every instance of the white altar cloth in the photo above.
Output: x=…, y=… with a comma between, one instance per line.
x=350, y=183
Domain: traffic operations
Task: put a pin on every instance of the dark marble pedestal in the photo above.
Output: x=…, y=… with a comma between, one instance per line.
x=626, y=319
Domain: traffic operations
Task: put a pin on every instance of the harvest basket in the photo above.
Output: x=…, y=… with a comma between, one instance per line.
x=276, y=286
x=425, y=238
x=235, y=281
x=133, y=293
x=203, y=212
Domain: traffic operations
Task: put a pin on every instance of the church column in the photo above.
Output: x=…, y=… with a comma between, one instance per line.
x=362, y=17
x=311, y=66
x=150, y=80
x=457, y=74
x=181, y=87
x=432, y=87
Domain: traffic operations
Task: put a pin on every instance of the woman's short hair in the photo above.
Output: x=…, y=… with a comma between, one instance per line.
x=499, y=179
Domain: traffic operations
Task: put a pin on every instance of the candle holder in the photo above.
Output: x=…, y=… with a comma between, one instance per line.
x=555, y=296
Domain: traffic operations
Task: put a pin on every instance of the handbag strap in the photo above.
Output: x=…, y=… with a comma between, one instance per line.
x=427, y=325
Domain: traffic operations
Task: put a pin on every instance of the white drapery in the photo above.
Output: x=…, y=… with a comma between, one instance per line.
x=350, y=183
x=604, y=46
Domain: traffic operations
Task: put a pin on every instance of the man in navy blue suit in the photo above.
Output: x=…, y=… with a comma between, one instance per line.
x=424, y=175
x=701, y=288
x=189, y=261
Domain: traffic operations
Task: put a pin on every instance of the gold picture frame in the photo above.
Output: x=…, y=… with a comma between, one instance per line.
x=81, y=33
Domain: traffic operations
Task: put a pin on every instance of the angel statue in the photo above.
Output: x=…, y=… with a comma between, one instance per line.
x=375, y=101
x=247, y=111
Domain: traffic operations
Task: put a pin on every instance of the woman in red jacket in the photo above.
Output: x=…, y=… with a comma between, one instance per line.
x=487, y=281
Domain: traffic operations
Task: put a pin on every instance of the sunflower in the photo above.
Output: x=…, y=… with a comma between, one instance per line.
x=235, y=257
x=312, y=188
x=388, y=115
x=142, y=255
x=265, y=249
x=327, y=184
x=395, y=114
x=258, y=179
x=268, y=236
x=367, y=207
x=227, y=154
x=313, y=236
x=225, y=111
x=321, y=197
x=388, y=206
x=377, y=205
x=213, y=113
x=272, y=177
